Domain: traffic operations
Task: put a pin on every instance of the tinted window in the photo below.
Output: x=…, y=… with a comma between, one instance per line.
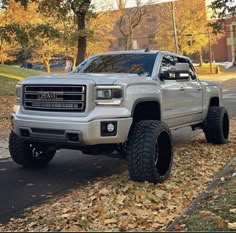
x=191, y=68
x=141, y=64
x=167, y=62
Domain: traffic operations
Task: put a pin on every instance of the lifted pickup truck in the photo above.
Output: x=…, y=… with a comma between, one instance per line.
x=119, y=101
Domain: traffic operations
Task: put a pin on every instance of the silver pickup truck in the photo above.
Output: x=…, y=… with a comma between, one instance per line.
x=125, y=101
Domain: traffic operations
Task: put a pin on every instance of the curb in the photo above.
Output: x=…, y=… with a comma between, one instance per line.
x=193, y=206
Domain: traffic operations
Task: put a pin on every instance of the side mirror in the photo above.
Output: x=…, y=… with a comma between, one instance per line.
x=164, y=76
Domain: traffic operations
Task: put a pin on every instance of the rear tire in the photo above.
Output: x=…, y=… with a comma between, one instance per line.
x=217, y=125
x=29, y=154
x=149, y=151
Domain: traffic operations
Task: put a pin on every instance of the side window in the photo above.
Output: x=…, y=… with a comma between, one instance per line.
x=166, y=63
x=191, y=70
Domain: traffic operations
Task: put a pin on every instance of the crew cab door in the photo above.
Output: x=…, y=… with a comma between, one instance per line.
x=173, y=95
x=181, y=97
x=194, y=95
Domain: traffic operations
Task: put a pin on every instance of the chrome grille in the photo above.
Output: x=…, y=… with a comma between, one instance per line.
x=66, y=98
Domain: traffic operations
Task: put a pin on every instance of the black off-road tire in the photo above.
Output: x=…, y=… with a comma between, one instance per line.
x=28, y=154
x=149, y=151
x=216, y=126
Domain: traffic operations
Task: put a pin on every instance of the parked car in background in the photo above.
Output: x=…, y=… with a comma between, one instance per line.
x=27, y=65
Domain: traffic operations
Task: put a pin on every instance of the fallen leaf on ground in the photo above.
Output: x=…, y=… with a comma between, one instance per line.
x=116, y=203
x=232, y=225
x=109, y=221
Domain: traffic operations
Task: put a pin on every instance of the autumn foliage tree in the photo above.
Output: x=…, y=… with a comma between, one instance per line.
x=101, y=26
x=191, y=26
x=221, y=8
x=46, y=42
x=8, y=43
x=99, y=34
x=28, y=30
x=62, y=9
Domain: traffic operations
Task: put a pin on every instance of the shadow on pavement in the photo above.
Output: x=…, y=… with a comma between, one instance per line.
x=22, y=188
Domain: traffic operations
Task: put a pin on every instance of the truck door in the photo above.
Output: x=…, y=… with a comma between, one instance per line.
x=193, y=95
x=174, y=102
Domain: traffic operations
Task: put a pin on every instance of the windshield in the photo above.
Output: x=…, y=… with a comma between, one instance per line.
x=141, y=64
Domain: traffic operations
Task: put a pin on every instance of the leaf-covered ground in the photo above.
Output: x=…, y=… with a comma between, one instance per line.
x=117, y=204
x=6, y=105
x=7, y=86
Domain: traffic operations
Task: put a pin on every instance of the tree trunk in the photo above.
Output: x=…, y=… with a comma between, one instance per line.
x=200, y=58
x=74, y=62
x=82, y=38
x=126, y=43
x=130, y=41
x=2, y=61
x=47, y=66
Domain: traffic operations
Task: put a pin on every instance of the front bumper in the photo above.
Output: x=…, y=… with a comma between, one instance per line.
x=59, y=131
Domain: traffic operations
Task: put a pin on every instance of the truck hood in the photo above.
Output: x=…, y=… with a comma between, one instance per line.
x=79, y=78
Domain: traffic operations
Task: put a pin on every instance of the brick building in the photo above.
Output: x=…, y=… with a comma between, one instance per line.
x=225, y=48
x=144, y=34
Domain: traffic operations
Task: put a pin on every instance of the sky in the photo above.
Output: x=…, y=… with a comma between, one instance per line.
x=233, y=2
x=113, y=4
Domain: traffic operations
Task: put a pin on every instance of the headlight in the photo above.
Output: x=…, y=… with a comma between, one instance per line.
x=108, y=95
x=18, y=93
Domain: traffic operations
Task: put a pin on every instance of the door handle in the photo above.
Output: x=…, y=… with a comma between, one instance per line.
x=181, y=89
x=199, y=89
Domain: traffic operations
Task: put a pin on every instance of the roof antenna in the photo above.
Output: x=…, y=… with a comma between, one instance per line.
x=147, y=50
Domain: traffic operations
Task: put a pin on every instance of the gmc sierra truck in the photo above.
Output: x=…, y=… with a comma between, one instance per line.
x=127, y=101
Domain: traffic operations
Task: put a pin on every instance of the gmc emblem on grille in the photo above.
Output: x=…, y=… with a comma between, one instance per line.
x=49, y=96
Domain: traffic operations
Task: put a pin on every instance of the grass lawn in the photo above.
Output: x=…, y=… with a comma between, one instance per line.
x=10, y=75
x=205, y=69
x=7, y=86
x=218, y=211
x=17, y=73
x=7, y=92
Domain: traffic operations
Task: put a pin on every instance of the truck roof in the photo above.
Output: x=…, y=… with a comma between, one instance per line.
x=144, y=51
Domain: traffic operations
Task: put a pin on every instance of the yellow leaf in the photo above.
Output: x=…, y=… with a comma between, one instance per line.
x=65, y=215
x=120, y=199
x=104, y=192
x=232, y=211
x=232, y=225
x=110, y=221
x=132, y=225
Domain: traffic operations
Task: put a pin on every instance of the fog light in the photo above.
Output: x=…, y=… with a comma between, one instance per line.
x=110, y=127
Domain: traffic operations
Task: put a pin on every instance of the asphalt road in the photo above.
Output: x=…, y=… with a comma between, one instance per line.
x=21, y=188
